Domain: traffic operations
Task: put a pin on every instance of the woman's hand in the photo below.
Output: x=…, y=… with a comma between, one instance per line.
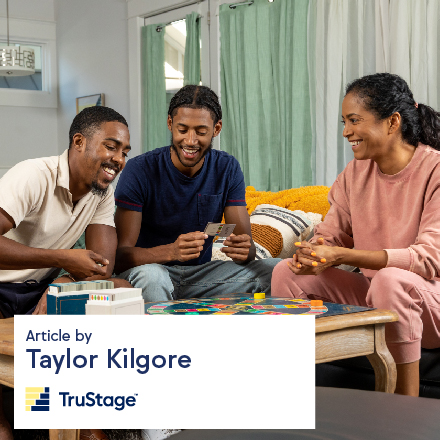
x=312, y=259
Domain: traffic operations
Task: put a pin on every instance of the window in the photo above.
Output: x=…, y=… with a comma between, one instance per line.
x=175, y=39
x=28, y=82
x=40, y=89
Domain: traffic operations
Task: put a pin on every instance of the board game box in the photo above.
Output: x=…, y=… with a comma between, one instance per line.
x=245, y=304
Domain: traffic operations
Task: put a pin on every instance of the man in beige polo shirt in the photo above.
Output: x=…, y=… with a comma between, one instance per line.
x=45, y=206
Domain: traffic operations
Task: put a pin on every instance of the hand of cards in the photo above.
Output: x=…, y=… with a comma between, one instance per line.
x=219, y=229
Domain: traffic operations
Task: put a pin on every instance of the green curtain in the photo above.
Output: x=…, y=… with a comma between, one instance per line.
x=191, y=68
x=265, y=92
x=154, y=109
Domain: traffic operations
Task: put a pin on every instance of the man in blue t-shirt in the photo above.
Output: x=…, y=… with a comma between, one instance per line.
x=166, y=197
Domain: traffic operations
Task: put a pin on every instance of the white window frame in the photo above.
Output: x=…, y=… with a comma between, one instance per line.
x=178, y=47
x=39, y=33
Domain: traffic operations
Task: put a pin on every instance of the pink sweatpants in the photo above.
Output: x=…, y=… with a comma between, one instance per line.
x=414, y=299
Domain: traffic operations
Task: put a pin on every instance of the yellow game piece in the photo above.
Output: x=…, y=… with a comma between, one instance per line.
x=314, y=263
x=316, y=302
x=259, y=295
x=298, y=243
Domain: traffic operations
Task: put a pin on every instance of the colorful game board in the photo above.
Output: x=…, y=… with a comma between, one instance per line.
x=245, y=304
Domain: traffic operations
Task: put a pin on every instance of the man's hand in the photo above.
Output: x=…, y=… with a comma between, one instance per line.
x=188, y=246
x=312, y=259
x=82, y=263
x=237, y=247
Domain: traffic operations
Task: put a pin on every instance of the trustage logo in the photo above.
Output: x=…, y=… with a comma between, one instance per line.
x=91, y=399
x=37, y=398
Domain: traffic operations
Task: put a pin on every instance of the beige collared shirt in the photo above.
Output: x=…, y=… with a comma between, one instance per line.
x=35, y=193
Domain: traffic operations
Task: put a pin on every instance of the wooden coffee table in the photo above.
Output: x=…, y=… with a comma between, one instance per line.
x=358, y=334
x=352, y=335
x=7, y=373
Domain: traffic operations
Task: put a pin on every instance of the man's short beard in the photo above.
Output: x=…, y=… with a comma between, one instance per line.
x=203, y=155
x=97, y=190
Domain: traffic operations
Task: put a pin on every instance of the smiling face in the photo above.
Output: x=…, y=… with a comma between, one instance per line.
x=369, y=137
x=192, y=132
x=103, y=155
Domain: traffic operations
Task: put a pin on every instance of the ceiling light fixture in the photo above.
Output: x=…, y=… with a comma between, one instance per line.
x=16, y=60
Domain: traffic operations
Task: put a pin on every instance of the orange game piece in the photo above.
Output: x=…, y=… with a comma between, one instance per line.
x=323, y=260
x=314, y=263
x=313, y=254
x=316, y=302
x=298, y=243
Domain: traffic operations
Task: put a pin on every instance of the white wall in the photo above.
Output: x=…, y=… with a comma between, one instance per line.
x=26, y=132
x=29, y=10
x=92, y=43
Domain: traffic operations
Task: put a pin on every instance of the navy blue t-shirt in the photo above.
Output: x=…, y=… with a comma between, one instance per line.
x=172, y=203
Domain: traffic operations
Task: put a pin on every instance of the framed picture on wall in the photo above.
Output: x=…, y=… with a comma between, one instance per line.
x=89, y=101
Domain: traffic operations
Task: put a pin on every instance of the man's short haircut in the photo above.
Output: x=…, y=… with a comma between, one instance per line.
x=199, y=97
x=88, y=121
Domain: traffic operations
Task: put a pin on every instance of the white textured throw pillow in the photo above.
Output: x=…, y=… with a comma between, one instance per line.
x=275, y=230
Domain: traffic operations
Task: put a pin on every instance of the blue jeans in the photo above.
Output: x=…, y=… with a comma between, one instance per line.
x=165, y=283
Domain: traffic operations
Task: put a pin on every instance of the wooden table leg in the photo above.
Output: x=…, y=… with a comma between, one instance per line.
x=7, y=370
x=382, y=362
x=64, y=434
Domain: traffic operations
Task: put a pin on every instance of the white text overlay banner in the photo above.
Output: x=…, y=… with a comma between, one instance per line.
x=186, y=372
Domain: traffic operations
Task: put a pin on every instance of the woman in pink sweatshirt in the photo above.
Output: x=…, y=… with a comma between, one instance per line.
x=384, y=218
